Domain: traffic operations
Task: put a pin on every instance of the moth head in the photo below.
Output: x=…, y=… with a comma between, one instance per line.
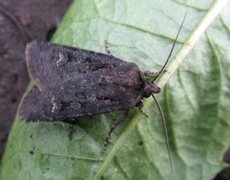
x=151, y=88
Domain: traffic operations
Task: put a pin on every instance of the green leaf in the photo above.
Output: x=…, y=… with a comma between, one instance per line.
x=195, y=99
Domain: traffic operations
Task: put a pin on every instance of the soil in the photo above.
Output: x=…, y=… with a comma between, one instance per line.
x=19, y=23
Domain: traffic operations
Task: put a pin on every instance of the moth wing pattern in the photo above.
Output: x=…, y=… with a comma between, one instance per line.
x=74, y=82
x=55, y=66
x=40, y=70
x=32, y=105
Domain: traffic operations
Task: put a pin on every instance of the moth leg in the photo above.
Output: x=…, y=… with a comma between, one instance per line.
x=150, y=73
x=140, y=106
x=70, y=132
x=107, y=48
x=117, y=122
x=72, y=122
x=142, y=112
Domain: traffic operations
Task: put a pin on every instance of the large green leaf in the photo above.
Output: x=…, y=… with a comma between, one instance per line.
x=195, y=100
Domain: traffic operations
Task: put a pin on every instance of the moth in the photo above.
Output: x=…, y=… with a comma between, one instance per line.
x=72, y=83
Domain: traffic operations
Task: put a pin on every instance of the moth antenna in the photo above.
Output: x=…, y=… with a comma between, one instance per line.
x=165, y=130
x=171, y=51
x=16, y=22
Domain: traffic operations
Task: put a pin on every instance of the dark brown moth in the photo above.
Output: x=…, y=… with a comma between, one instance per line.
x=72, y=82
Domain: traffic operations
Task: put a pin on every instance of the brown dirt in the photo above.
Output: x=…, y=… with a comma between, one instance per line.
x=20, y=22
